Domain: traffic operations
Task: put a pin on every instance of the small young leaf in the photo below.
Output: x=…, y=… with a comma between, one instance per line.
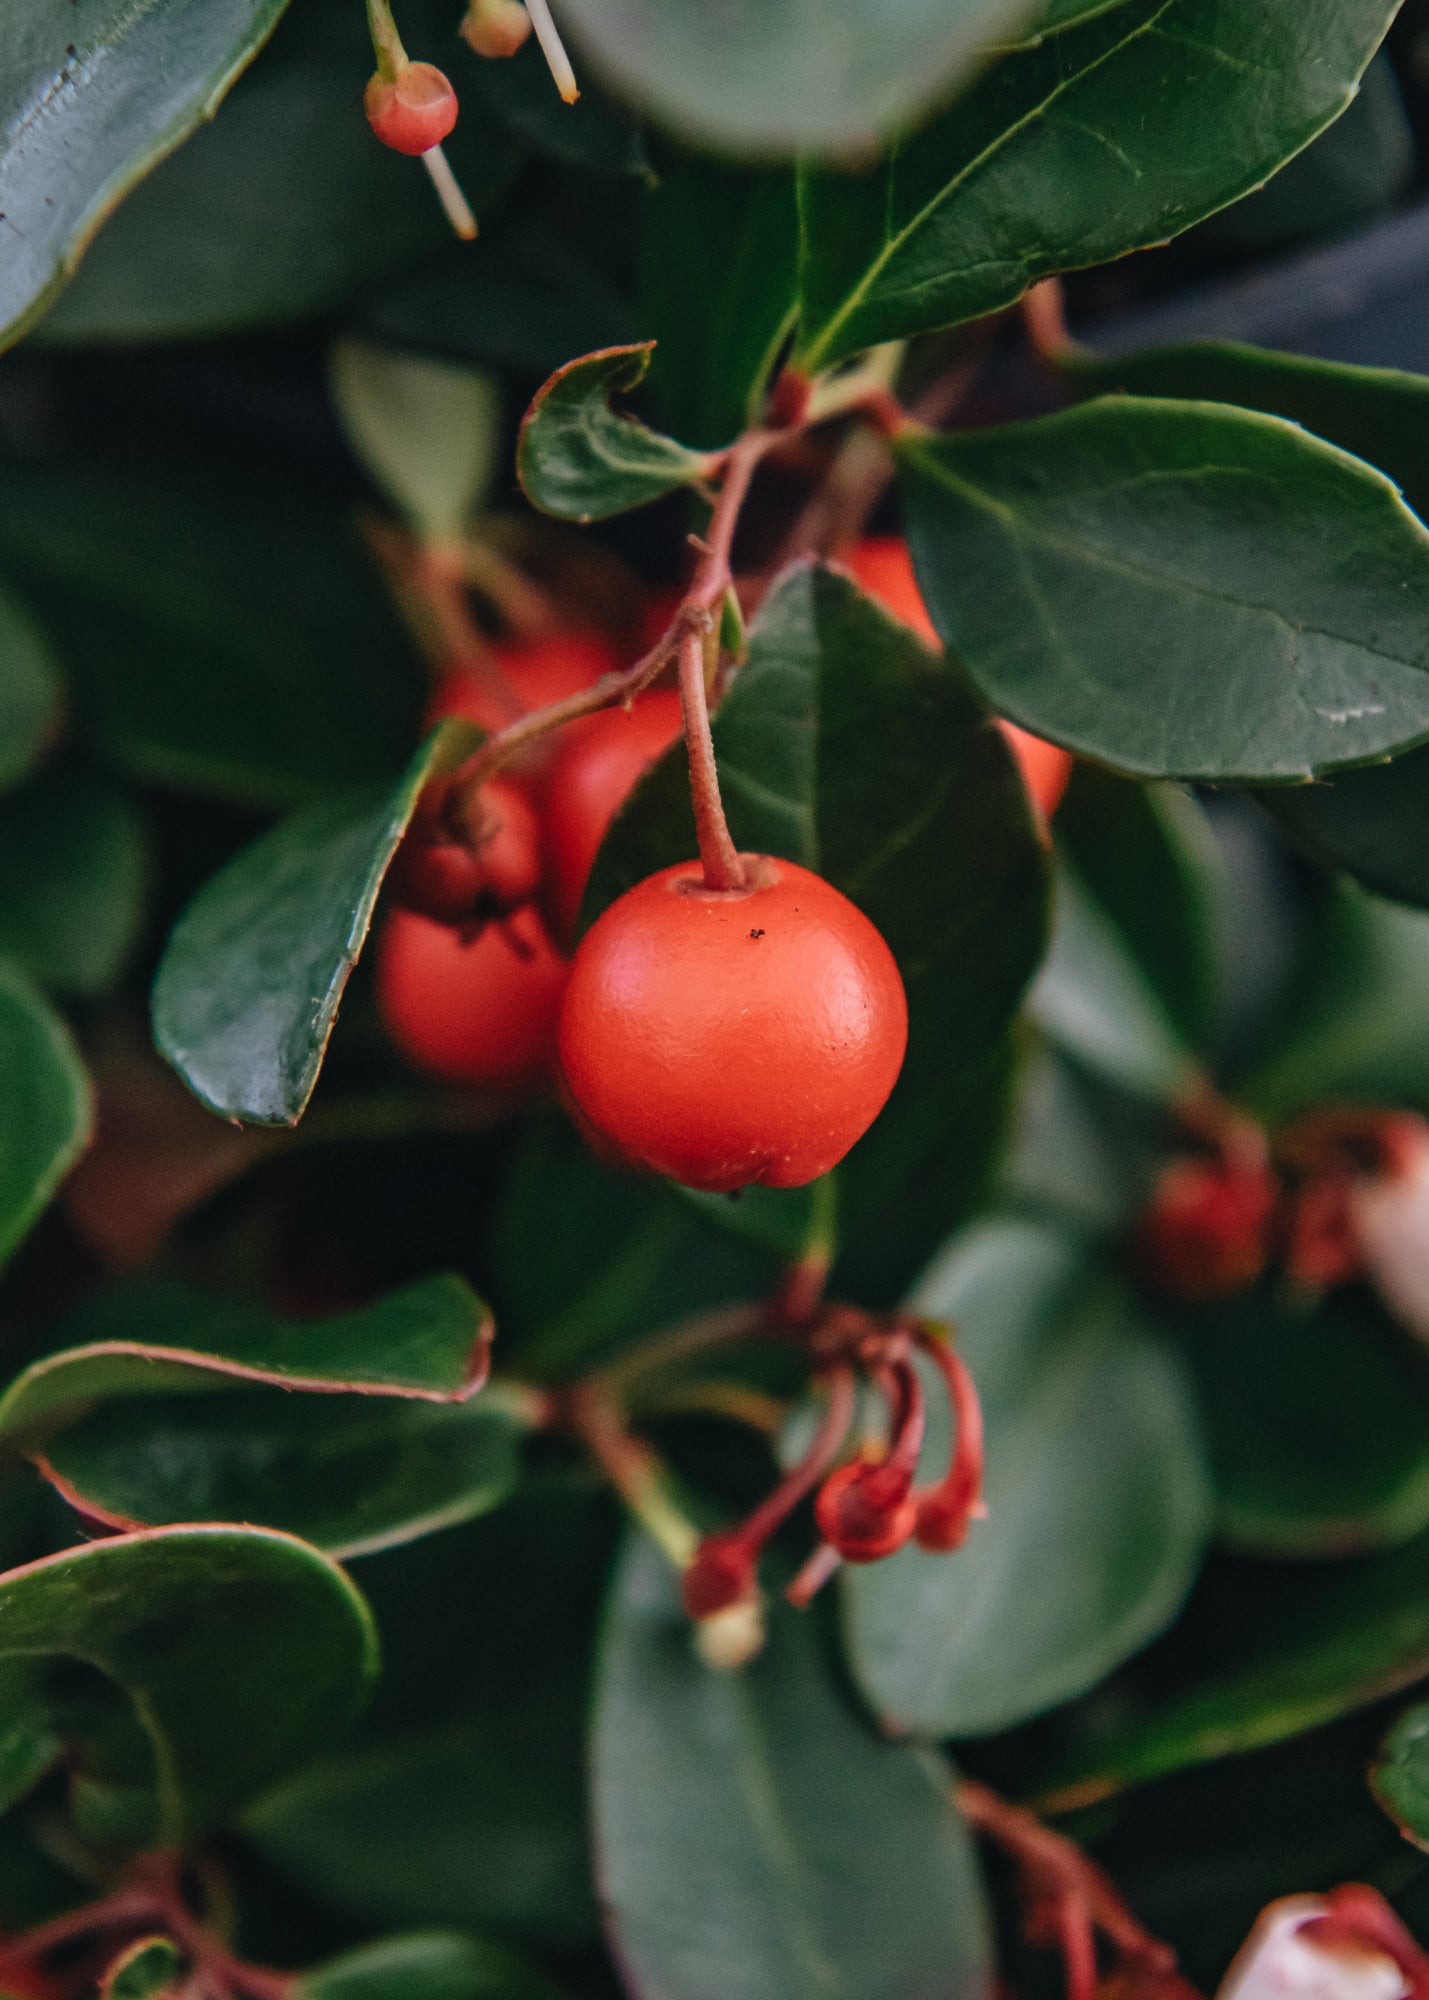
x=275, y=1636
x=29, y=690
x=1050, y=162
x=755, y=1837
x=578, y=458
x=142, y=1971
x=88, y=106
x=249, y=987
x=1097, y=1498
x=45, y=1109
x=1177, y=589
x=426, y=1965
x=74, y=871
x=1400, y=1777
x=427, y=431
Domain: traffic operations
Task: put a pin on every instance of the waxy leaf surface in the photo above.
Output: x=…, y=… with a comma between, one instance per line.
x=250, y=985
x=45, y=1108
x=581, y=459
x=1050, y=160
x=142, y=1971
x=754, y=1836
x=74, y=870
x=1401, y=1776
x=1097, y=1498
x=1177, y=589
x=90, y=99
x=272, y=1634
x=426, y=1965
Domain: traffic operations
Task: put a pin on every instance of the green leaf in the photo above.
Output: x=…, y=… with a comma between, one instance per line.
x=425, y=1965
x=142, y=1971
x=272, y=1634
x=29, y=690
x=1313, y=1641
x=426, y=431
x=1370, y=823
x=221, y=629
x=578, y=458
x=249, y=988
x=595, y=134
x=932, y=839
x=1055, y=15
x=1317, y=1423
x=1097, y=1500
x=769, y=78
x=1050, y=162
x=718, y=290
x=74, y=875
x=755, y=1837
x=45, y=1107
x=282, y=207
x=88, y=106
x=1400, y=1777
x=1177, y=589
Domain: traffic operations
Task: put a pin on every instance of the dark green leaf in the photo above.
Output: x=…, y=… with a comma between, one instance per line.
x=142, y=1971
x=427, y=432
x=769, y=78
x=718, y=291
x=29, y=690
x=1401, y=1776
x=74, y=871
x=932, y=839
x=595, y=133
x=88, y=104
x=249, y=987
x=45, y=1109
x=1371, y=823
x=1317, y=1422
x=221, y=628
x=754, y=1836
x=425, y=1965
x=283, y=206
x=577, y=457
x=1050, y=160
x=1097, y=1500
x=1177, y=589
x=242, y=1653
x=1055, y=15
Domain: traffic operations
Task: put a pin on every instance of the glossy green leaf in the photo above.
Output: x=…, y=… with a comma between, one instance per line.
x=45, y=1107
x=89, y=103
x=755, y=1836
x=221, y=629
x=425, y=1965
x=579, y=458
x=274, y=1636
x=142, y=1971
x=282, y=207
x=1370, y=823
x=29, y=690
x=1401, y=1775
x=1096, y=1492
x=426, y=431
x=770, y=78
x=249, y=988
x=1050, y=162
x=1177, y=589
x=1311, y=1641
x=932, y=839
x=74, y=874
x=1055, y=15
x=1317, y=1424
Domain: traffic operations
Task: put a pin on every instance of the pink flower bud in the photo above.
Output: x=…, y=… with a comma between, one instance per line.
x=1390, y=1218
x=1282, y=1960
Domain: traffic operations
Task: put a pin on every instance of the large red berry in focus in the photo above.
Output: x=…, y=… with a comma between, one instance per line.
x=594, y=772
x=479, y=1012
x=412, y=112
x=731, y=1037
x=884, y=567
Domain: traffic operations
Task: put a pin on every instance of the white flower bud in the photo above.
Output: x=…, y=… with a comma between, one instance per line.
x=1278, y=1961
x=1390, y=1216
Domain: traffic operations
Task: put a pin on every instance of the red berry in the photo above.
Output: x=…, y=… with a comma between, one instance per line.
x=594, y=772
x=731, y=1037
x=535, y=672
x=884, y=567
x=477, y=1012
x=491, y=872
x=412, y=112
x=863, y=1514
x=1207, y=1233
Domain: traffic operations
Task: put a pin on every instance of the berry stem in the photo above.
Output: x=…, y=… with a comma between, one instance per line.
x=800, y=1480
x=553, y=49
x=635, y=1471
x=1044, y=315
x=723, y=868
x=386, y=42
x=455, y=205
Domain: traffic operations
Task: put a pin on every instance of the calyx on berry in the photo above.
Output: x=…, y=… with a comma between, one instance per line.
x=412, y=111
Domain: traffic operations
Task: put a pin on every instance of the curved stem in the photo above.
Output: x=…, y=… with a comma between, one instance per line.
x=635, y=1471
x=723, y=868
x=823, y=1449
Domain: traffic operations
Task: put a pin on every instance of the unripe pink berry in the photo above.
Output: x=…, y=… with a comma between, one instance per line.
x=412, y=112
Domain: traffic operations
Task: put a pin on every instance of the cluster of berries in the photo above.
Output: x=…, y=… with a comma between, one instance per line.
x=1342, y=1194
x=717, y=1036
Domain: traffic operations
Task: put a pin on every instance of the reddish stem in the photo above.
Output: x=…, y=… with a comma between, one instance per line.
x=959, y=1494
x=800, y=1481
x=724, y=871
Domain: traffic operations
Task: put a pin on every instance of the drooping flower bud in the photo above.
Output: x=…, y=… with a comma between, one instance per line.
x=1299, y=1950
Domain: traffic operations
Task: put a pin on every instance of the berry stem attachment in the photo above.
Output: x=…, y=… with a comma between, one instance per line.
x=553, y=49
x=386, y=42
x=455, y=206
x=723, y=868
